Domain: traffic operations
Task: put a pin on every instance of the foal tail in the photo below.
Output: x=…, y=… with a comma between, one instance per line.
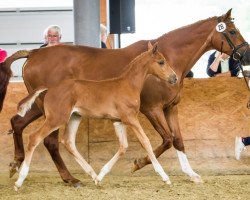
x=25, y=104
x=6, y=73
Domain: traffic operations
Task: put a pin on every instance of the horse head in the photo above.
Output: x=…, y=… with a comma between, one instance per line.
x=228, y=39
x=160, y=66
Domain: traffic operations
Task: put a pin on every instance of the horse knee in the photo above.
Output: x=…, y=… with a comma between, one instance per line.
x=16, y=123
x=51, y=143
x=178, y=144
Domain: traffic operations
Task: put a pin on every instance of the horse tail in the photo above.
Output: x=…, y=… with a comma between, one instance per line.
x=6, y=73
x=25, y=104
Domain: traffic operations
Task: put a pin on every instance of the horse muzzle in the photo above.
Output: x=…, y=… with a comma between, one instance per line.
x=245, y=59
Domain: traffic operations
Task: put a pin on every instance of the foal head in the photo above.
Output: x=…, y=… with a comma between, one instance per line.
x=227, y=38
x=158, y=65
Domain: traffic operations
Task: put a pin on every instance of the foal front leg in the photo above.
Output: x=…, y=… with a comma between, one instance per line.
x=135, y=125
x=157, y=119
x=121, y=133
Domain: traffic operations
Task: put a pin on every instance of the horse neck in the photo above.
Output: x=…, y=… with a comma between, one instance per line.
x=184, y=46
x=136, y=72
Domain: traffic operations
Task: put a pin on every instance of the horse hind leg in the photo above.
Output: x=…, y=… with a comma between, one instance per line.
x=18, y=124
x=157, y=119
x=52, y=145
x=121, y=133
x=68, y=139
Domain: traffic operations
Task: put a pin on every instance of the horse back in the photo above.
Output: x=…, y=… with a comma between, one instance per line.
x=50, y=65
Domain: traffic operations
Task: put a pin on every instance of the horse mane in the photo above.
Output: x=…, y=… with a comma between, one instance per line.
x=185, y=27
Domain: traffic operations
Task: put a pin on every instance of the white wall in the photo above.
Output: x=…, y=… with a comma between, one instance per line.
x=24, y=30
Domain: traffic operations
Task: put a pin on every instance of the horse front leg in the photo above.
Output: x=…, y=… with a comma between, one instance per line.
x=172, y=119
x=18, y=124
x=157, y=119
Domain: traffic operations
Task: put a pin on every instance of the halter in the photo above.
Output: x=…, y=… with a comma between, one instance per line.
x=236, y=55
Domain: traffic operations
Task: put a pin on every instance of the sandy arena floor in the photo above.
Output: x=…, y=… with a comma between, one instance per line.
x=44, y=185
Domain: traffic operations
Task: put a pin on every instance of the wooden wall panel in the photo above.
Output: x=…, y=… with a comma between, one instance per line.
x=211, y=113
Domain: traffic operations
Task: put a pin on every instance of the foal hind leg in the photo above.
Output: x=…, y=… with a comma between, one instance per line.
x=68, y=139
x=18, y=124
x=51, y=143
x=172, y=119
x=121, y=133
x=157, y=119
x=34, y=139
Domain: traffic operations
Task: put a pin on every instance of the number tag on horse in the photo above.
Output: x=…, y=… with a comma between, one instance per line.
x=221, y=27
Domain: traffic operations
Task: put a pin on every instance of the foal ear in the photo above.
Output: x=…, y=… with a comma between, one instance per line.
x=155, y=47
x=150, y=46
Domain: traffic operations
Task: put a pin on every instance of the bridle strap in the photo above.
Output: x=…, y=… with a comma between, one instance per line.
x=235, y=52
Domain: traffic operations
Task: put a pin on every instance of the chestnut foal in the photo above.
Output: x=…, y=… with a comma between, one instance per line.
x=117, y=99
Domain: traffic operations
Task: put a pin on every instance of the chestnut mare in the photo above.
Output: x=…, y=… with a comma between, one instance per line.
x=181, y=47
x=117, y=99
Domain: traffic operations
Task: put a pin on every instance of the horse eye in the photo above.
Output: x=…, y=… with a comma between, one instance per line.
x=161, y=62
x=232, y=32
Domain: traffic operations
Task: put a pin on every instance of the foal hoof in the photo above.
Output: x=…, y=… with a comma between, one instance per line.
x=168, y=182
x=16, y=187
x=196, y=179
x=97, y=181
x=13, y=168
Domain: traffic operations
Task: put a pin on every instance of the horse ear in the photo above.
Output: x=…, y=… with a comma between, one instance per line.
x=228, y=14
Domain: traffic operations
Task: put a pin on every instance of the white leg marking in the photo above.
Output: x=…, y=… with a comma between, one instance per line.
x=120, y=130
x=22, y=175
x=68, y=140
x=186, y=168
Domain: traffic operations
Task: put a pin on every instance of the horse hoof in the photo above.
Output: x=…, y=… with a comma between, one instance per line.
x=74, y=182
x=13, y=168
x=196, y=179
x=138, y=164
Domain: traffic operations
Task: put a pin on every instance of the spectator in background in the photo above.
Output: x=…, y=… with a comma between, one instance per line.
x=222, y=65
x=52, y=36
x=240, y=145
x=103, y=32
x=3, y=55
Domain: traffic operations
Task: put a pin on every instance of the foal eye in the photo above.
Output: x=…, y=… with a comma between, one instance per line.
x=232, y=32
x=161, y=62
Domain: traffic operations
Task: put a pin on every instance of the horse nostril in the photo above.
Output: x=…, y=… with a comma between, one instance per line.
x=173, y=79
